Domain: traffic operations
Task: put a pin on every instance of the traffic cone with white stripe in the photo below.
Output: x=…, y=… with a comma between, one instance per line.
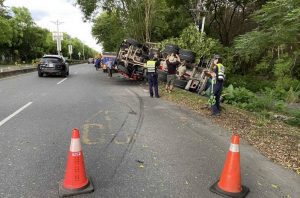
x=75, y=182
x=229, y=184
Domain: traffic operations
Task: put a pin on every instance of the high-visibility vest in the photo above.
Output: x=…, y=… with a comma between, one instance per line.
x=151, y=66
x=221, y=71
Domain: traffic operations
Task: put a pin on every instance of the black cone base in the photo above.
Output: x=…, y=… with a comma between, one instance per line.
x=215, y=189
x=63, y=192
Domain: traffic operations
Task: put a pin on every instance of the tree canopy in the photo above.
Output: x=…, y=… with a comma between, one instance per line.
x=21, y=39
x=258, y=37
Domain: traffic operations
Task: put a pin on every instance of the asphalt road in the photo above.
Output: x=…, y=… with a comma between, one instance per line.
x=134, y=145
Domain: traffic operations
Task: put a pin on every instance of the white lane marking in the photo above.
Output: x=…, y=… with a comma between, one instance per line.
x=62, y=80
x=15, y=113
x=75, y=73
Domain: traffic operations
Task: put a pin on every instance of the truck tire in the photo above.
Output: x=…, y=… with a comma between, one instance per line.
x=187, y=55
x=169, y=49
x=132, y=42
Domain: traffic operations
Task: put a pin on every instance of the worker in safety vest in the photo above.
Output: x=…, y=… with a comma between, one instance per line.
x=218, y=77
x=152, y=65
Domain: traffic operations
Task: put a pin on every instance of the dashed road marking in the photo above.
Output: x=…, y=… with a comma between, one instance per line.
x=15, y=113
x=62, y=80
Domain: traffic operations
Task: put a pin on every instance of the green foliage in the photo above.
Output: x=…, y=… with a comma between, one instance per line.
x=108, y=30
x=267, y=100
x=294, y=120
x=292, y=96
x=5, y=31
x=250, y=82
x=283, y=66
x=237, y=96
x=272, y=47
x=286, y=83
x=279, y=19
x=250, y=46
x=193, y=40
x=265, y=66
x=23, y=40
x=87, y=7
x=142, y=20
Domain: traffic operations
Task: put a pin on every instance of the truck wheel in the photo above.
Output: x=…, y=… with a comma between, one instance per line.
x=132, y=41
x=40, y=74
x=169, y=49
x=187, y=55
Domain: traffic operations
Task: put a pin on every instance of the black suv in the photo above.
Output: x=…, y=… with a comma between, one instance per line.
x=53, y=64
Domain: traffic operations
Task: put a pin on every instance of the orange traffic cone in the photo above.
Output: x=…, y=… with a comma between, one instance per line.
x=229, y=184
x=75, y=181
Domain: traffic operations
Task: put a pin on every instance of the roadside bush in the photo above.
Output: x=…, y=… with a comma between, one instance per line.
x=252, y=83
x=292, y=96
x=237, y=96
x=293, y=121
x=286, y=83
x=243, y=98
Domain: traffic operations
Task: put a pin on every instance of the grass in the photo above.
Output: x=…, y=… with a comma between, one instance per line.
x=274, y=139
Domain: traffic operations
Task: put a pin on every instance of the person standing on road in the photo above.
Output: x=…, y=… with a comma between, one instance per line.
x=173, y=62
x=109, y=67
x=218, y=77
x=97, y=63
x=152, y=65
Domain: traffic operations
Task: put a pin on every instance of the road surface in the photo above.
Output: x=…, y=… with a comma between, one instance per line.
x=134, y=145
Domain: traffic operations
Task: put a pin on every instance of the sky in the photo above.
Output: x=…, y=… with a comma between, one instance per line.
x=44, y=12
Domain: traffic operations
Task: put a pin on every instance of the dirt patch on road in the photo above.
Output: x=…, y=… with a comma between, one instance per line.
x=274, y=139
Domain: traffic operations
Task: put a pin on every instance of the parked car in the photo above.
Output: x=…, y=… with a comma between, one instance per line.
x=53, y=64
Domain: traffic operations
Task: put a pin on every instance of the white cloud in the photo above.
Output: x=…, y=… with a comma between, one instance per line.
x=46, y=11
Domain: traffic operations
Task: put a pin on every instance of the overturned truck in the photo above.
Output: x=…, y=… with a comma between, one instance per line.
x=131, y=58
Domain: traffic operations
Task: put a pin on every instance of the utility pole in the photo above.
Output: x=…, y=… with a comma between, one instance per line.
x=57, y=36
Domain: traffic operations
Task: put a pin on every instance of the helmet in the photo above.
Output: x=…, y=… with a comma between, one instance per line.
x=217, y=56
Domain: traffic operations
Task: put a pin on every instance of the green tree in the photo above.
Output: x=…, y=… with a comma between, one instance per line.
x=5, y=31
x=194, y=40
x=144, y=20
x=108, y=30
x=21, y=24
x=275, y=43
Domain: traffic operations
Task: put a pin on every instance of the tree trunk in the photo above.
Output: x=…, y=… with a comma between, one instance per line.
x=148, y=9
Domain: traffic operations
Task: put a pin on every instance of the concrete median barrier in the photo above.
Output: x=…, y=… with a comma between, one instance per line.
x=16, y=70
x=13, y=71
